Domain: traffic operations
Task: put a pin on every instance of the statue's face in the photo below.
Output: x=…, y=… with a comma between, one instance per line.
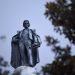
x=26, y=24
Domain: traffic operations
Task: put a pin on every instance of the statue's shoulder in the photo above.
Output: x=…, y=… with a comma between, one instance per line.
x=21, y=31
x=31, y=30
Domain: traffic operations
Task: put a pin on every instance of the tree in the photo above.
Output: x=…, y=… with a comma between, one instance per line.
x=3, y=64
x=64, y=62
x=62, y=15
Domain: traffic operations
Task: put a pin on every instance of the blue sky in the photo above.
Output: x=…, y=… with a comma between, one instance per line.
x=12, y=14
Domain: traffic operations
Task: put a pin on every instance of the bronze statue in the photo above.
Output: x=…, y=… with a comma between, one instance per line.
x=25, y=47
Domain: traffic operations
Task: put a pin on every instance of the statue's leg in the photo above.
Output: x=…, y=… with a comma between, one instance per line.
x=22, y=52
x=29, y=51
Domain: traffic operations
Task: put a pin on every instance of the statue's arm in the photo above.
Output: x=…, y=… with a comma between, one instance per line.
x=15, y=38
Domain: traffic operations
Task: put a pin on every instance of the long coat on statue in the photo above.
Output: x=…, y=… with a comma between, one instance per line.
x=16, y=58
x=15, y=53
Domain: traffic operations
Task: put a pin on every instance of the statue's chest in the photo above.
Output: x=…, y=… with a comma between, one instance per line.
x=25, y=34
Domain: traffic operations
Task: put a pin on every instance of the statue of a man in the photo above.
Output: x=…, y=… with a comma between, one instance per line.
x=24, y=49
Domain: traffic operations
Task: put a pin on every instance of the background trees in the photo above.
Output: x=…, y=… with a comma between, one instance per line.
x=3, y=65
x=62, y=15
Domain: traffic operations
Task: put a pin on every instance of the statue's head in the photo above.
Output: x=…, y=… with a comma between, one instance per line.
x=26, y=24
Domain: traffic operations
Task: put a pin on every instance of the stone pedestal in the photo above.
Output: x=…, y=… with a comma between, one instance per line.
x=24, y=70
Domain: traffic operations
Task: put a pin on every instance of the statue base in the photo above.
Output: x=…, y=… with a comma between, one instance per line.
x=24, y=70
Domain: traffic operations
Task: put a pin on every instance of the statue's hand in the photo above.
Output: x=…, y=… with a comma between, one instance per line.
x=35, y=45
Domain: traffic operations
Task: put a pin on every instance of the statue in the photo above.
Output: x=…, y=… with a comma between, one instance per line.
x=24, y=47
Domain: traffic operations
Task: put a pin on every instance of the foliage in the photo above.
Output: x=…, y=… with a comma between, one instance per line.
x=57, y=49
x=64, y=62
x=3, y=64
x=62, y=15
x=61, y=67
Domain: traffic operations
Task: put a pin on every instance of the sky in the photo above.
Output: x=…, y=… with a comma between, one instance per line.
x=12, y=15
